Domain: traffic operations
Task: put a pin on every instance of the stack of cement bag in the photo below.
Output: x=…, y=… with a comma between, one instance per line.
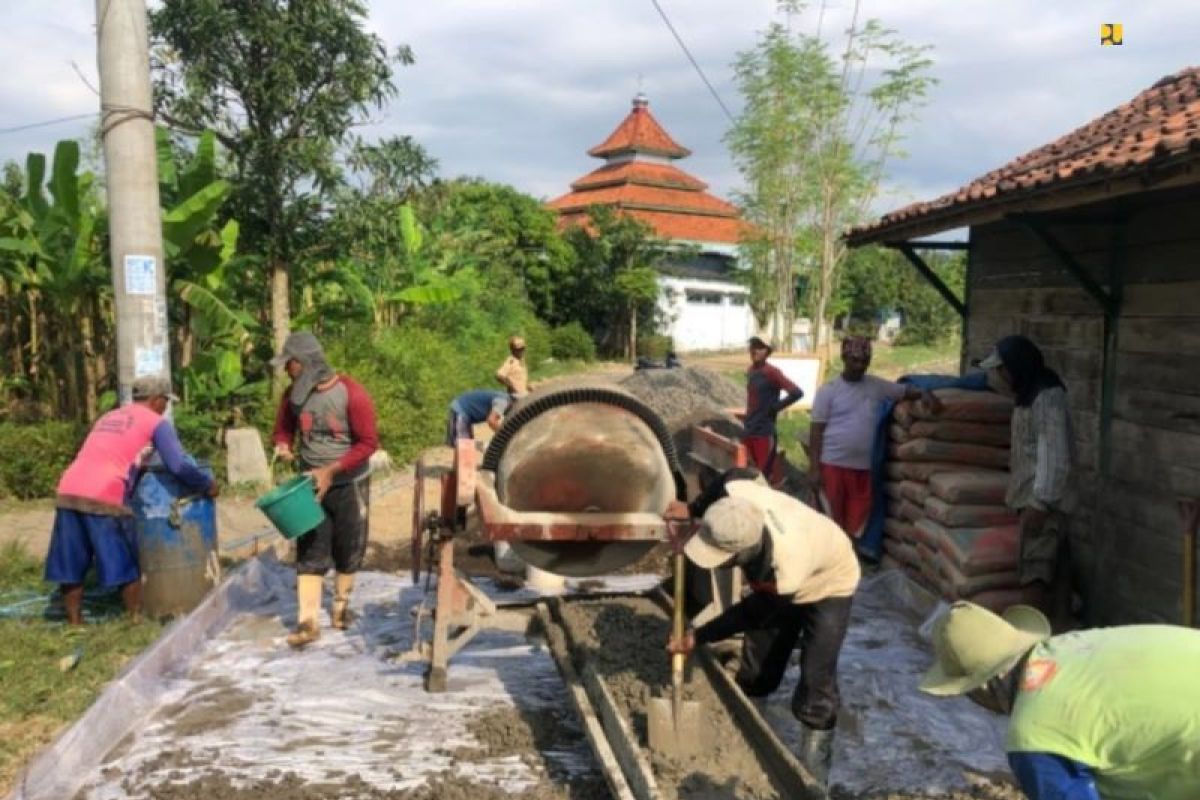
x=947, y=524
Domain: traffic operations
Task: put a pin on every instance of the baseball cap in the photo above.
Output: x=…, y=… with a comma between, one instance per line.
x=758, y=344
x=992, y=361
x=149, y=386
x=730, y=525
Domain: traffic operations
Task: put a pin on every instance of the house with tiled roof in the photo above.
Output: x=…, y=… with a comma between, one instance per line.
x=703, y=304
x=1090, y=246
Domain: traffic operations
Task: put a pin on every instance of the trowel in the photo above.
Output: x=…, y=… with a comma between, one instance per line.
x=674, y=724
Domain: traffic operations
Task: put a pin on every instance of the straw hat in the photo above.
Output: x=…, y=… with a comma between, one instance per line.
x=972, y=645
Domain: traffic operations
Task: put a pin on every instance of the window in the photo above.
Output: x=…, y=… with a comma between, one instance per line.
x=703, y=298
x=737, y=299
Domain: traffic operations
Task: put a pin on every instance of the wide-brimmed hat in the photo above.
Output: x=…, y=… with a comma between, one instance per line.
x=730, y=525
x=972, y=645
x=516, y=343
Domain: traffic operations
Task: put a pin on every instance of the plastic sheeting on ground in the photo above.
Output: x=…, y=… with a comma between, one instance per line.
x=890, y=736
x=221, y=690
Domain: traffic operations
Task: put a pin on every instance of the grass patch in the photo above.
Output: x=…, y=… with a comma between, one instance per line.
x=37, y=698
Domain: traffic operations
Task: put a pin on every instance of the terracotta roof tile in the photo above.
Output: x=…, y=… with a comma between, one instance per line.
x=664, y=175
x=1159, y=125
x=723, y=230
x=629, y=194
x=640, y=133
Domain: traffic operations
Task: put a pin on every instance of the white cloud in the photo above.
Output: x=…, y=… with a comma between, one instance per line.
x=518, y=90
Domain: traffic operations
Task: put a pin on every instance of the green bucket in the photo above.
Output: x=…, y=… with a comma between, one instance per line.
x=292, y=507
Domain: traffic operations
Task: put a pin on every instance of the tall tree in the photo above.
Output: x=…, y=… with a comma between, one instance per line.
x=812, y=143
x=614, y=283
x=281, y=83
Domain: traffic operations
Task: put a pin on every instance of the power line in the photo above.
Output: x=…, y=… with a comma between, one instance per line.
x=33, y=125
x=712, y=90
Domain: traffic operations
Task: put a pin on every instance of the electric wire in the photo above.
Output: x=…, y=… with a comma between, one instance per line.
x=699, y=71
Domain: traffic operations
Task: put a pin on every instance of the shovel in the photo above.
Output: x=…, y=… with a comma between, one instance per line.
x=674, y=724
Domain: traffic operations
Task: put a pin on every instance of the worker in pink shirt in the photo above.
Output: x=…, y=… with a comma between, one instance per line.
x=92, y=519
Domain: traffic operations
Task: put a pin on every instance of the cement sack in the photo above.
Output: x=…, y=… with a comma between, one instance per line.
x=909, y=511
x=965, y=405
x=948, y=430
x=959, y=516
x=997, y=600
x=921, y=534
x=974, y=455
x=903, y=552
x=958, y=586
x=920, y=470
x=898, y=529
x=916, y=491
x=975, y=551
x=887, y=562
x=898, y=433
x=974, y=487
x=892, y=490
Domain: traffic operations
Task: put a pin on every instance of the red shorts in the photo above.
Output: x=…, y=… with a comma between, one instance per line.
x=849, y=494
x=761, y=450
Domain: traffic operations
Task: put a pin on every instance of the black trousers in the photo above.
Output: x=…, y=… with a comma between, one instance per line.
x=341, y=540
x=773, y=627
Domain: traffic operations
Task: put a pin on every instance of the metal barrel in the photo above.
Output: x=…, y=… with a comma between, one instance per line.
x=177, y=543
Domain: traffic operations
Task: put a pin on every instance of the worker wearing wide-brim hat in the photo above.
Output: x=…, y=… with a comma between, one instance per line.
x=1104, y=714
x=802, y=573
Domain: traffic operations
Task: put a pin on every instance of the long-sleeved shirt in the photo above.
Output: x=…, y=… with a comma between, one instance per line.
x=336, y=425
x=764, y=382
x=1042, y=453
x=101, y=478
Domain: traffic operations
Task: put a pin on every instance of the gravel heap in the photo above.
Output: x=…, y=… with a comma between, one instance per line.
x=675, y=394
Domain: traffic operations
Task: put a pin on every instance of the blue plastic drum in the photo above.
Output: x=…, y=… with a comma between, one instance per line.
x=177, y=543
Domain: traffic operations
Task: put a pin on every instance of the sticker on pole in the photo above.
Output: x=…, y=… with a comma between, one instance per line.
x=141, y=275
x=148, y=360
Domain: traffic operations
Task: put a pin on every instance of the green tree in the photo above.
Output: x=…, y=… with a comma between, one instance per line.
x=812, y=142
x=876, y=280
x=281, y=83
x=614, y=283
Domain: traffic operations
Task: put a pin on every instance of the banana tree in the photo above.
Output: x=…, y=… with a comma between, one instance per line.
x=212, y=333
x=51, y=254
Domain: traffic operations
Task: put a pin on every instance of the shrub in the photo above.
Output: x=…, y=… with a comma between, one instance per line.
x=35, y=456
x=572, y=343
x=655, y=346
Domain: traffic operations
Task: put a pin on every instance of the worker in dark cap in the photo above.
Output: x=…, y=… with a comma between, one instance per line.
x=92, y=519
x=333, y=419
x=764, y=384
x=1039, y=486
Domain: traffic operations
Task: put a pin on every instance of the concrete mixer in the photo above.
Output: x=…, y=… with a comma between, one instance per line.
x=576, y=480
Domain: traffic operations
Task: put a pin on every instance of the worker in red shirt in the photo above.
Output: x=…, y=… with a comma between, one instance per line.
x=764, y=383
x=334, y=421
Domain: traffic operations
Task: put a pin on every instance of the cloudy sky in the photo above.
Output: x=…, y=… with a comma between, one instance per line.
x=517, y=90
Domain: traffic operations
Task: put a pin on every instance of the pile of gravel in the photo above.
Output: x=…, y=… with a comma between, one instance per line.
x=676, y=394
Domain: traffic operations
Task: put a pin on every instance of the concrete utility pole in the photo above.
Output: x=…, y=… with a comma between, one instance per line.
x=131, y=173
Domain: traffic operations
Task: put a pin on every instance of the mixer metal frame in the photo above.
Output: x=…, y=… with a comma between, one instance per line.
x=460, y=609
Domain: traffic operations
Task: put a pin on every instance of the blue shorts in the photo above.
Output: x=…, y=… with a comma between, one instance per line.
x=78, y=538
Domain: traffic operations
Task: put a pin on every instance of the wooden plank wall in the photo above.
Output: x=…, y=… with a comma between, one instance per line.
x=1126, y=535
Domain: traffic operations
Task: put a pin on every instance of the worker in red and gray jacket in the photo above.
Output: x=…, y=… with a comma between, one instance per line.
x=334, y=421
x=764, y=383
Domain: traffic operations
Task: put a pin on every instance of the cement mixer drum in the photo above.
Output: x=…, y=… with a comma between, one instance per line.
x=583, y=450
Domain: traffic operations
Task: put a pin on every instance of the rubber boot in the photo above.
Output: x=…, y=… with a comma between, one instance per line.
x=816, y=752
x=308, y=599
x=343, y=584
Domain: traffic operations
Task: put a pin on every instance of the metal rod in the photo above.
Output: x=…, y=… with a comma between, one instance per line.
x=906, y=248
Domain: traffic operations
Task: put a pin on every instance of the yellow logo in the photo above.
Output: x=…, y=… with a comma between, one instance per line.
x=1112, y=33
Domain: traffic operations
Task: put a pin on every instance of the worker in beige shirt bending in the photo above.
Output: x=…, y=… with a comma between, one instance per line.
x=1039, y=486
x=512, y=372
x=802, y=573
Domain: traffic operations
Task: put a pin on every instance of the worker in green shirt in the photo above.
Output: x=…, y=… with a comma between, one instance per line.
x=1103, y=714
